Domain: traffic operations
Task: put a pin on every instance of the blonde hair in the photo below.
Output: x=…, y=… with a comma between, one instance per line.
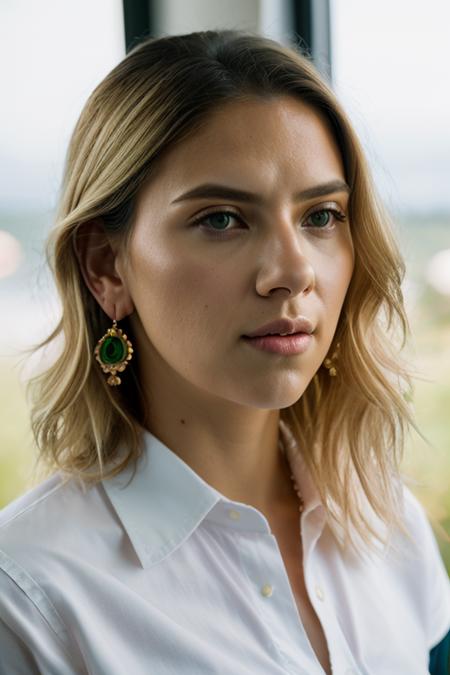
x=351, y=427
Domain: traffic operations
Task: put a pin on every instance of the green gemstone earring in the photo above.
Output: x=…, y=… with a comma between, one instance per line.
x=113, y=351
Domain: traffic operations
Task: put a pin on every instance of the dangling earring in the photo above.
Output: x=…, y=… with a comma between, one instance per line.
x=113, y=351
x=330, y=363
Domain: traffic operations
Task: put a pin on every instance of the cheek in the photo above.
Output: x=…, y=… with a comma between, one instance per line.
x=176, y=297
x=333, y=279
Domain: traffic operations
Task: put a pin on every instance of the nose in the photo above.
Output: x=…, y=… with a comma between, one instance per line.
x=287, y=263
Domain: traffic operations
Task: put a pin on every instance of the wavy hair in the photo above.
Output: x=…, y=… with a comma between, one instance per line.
x=350, y=428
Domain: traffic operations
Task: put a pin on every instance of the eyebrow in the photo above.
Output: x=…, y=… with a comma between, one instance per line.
x=226, y=192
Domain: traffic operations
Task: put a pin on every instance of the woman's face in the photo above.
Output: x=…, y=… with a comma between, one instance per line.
x=198, y=287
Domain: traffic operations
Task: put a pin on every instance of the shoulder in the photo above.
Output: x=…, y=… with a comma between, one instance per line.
x=424, y=547
x=425, y=571
x=43, y=528
x=29, y=501
x=35, y=532
x=28, y=520
x=41, y=512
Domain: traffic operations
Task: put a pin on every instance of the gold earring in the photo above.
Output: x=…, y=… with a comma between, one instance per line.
x=330, y=362
x=113, y=352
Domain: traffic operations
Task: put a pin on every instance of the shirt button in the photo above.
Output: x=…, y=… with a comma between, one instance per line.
x=319, y=592
x=235, y=515
x=267, y=590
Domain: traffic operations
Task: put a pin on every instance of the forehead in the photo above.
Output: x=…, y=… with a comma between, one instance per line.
x=263, y=138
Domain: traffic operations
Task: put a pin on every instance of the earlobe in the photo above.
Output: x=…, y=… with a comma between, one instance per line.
x=96, y=259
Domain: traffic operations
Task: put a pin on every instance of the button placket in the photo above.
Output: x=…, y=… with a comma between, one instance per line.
x=261, y=558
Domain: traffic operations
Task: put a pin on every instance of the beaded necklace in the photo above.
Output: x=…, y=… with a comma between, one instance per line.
x=296, y=487
x=299, y=494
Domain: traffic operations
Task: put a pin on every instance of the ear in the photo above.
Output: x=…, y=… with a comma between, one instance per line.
x=97, y=259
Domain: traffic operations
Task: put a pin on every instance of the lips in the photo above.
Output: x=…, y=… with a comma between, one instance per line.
x=283, y=326
x=297, y=343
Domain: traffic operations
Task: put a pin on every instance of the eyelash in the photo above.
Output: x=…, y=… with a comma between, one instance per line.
x=338, y=215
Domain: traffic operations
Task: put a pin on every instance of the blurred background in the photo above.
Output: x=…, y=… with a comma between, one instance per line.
x=388, y=63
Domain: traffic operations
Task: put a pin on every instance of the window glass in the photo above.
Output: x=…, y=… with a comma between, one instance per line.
x=390, y=69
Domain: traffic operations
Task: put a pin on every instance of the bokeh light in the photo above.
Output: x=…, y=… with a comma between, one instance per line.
x=11, y=254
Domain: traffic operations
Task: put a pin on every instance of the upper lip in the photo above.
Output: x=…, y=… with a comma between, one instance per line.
x=299, y=325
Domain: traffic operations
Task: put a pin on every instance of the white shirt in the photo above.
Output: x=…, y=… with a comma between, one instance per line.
x=166, y=576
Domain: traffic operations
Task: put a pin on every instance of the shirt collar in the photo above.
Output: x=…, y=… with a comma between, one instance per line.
x=165, y=501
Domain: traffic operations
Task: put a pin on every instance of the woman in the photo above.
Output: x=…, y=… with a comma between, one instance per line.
x=219, y=502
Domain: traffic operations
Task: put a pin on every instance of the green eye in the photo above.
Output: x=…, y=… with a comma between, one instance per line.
x=221, y=218
x=322, y=219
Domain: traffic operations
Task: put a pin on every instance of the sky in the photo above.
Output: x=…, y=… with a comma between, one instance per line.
x=52, y=55
x=391, y=61
x=390, y=67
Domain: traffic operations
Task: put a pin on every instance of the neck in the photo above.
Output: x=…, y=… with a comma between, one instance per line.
x=252, y=471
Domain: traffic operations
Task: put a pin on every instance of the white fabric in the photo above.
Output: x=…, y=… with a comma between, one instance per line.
x=166, y=575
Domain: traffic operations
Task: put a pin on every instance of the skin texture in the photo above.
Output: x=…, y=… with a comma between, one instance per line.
x=211, y=397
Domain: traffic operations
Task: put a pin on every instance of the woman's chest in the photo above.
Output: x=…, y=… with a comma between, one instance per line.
x=308, y=615
x=289, y=543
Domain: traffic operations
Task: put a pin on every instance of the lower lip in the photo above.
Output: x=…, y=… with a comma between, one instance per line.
x=290, y=344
